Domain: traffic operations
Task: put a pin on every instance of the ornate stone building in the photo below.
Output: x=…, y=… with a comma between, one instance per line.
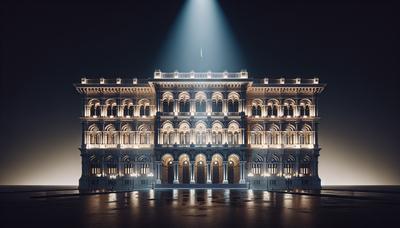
x=199, y=130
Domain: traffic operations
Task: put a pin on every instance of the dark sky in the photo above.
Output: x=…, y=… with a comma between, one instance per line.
x=45, y=48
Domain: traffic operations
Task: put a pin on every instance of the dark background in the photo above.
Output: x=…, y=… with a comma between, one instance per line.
x=46, y=47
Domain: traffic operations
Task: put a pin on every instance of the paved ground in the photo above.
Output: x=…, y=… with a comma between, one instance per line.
x=65, y=207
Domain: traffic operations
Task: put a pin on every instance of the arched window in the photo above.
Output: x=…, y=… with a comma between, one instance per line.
x=290, y=135
x=94, y=166
x=233, y=133
x=233, y=102
x=273, y=135
x=144, y=134
x=127, y=135
x=144, y=109
x=200, y=98
x=217, y=133
x=305, y=107
x=256, y=107
x=111, y=107
x=128, y=165
x=216, y=102
x=111, y=136
x=288, y=108
x=184, y=133
x=111, y=166
x=168, y=102
x=94, y=135
x=94, y=108
x=306, y=135
x=168, y=133
x=273, y=165
x=288, y=166
x=184, y=102
x=200, y=132
x=305, y=166
x=256, y=134
x=127, y=107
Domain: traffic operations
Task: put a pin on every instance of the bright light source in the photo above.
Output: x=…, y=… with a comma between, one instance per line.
x=200, y=40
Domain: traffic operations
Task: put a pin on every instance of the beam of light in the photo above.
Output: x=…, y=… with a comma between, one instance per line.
x=200, y=40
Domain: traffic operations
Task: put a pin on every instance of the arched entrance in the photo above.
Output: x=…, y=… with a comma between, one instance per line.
x=233, y=169
x=200, y=169
x=184, y=170
x=167, y=170
x=216, y=169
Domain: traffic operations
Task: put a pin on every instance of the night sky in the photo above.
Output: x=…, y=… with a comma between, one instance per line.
x=47, y=47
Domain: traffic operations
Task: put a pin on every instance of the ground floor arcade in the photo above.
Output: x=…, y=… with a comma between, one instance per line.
x=200, y=170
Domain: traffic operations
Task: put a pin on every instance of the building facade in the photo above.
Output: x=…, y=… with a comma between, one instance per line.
x=201, y=130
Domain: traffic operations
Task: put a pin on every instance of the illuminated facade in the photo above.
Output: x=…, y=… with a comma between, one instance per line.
x=201, y=130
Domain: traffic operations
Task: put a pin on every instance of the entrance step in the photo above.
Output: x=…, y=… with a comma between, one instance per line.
x=201, y=186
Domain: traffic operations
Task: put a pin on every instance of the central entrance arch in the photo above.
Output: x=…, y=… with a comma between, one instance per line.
x=233, y=169
x=200, y=169
x=184, y=169
x=167, y=172
x=216, y=169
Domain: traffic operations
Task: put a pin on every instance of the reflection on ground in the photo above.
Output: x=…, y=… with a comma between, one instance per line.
x=205, y=208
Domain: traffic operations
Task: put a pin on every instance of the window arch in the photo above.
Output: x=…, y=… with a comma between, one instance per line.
x=128, y=165
x=290, y=134
x=256, y=134
x=272, y=107
x=94, y=135
x=144, y=134
x=305, y=166
x=167, y=132
x=273, y=135
x=168, y=102
x=216, y=102
x=94, y=108
x=94, y=166
x=288, y=108
x=128, y=109
x=201, y=133
x=306, y=135
x=216, y=131
x=233, y=133
x=200, y=98
x=127, y=135
x=233, y=102
x=184, y=102
x=256, y=106
x=288, y=166
x=111, y=108
x=111, y=165
x=184, y=133
x=273, y=165
x=305, y=107
x=111, y=136
x=144, y=107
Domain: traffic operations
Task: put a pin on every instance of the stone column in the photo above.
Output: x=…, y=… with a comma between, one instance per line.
x=242, y=178
x=192, y=172
x=208, y=172
x=176, y=180
x=225, y=181
x=158, y=173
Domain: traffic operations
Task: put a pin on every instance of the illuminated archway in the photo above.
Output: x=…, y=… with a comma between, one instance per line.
x=233, y=169
x=167, y=170
x=216, y=169
x=200, y=169
x=184, y=169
